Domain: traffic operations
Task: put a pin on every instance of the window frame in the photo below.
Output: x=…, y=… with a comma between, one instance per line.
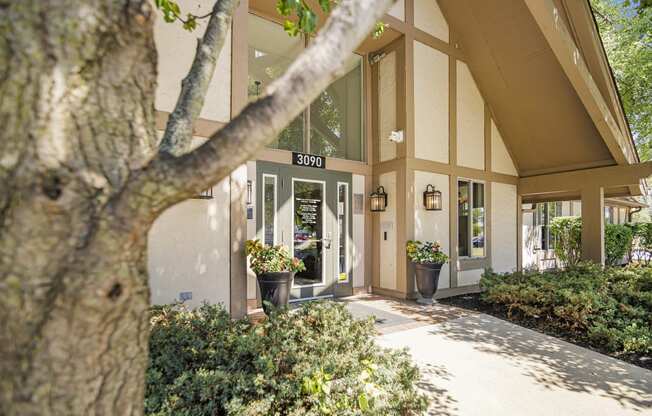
x=470, y=218
x=275, y=222
x=347, y=261
x=306, y=126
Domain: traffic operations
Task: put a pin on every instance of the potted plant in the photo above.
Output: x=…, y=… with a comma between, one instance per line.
x=428, y=259
x=275, y=269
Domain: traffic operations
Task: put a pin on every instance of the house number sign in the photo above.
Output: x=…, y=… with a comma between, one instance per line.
x=311, y=161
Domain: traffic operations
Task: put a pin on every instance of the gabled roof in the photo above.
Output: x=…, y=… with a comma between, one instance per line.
x=541, y=67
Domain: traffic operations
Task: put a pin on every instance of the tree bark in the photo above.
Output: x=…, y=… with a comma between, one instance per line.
x=82, y=179
x=178, y=132
x=76, y=108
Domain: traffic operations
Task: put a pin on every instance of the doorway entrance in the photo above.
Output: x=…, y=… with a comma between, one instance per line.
x=309, y=211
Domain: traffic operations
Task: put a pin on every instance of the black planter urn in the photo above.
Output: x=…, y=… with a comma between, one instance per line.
x=275, y=288
x=427, y=280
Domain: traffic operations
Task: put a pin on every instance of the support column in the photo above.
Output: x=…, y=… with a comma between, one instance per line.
x=593, y=224
x=238, y=178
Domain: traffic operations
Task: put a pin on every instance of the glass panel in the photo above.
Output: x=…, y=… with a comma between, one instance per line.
x=336, y=116
x=271, y=51
x=478, y=220
x=308, y=230
x=269, y=209
x=463, y=209
x=342, y=228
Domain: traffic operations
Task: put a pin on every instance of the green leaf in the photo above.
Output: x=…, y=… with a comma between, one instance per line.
x=363, y=402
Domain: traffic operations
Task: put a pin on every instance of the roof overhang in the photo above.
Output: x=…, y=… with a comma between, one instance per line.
x=541, y=68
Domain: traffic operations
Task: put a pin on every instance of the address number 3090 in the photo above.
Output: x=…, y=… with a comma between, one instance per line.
x=312, y=161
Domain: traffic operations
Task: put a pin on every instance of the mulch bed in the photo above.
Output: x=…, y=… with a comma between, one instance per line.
x=474, y=303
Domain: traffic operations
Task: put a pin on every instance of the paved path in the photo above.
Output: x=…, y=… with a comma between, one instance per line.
x=475, y=364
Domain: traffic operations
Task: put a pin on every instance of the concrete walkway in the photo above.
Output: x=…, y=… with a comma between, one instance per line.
x=475, y=364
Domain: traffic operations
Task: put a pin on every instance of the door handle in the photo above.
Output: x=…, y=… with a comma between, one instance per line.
x=327, y=241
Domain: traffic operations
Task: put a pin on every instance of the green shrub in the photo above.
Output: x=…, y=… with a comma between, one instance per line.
x=617, y=242
x=609, y=308
x=567, y=234
x=316, y=360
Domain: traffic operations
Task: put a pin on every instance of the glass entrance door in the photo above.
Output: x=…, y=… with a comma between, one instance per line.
x=308, y=211
x=308, y=230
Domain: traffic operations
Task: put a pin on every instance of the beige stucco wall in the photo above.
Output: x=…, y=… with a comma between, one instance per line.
x=433, y=225
x=251, y=227
x=387, y=105
x=469, y=277
x=357, y=231
x=398, y=10
x=503, y=227
x=431, y=116
x=176, y=50
x=529, y=236
x=429, y=18
x=470, y=120
x=501, y=161
x=388, y=224
x=188, y=251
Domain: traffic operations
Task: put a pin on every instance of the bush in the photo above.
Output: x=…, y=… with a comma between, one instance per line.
x=316, y=360
x=567, y=234
x=617, y=243
x=609, y=308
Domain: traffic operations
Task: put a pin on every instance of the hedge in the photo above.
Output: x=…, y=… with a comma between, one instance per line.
x=608, y=308
x=316, y=360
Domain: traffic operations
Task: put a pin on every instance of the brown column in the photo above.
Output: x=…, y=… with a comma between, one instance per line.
x=593, y=224
x=238, y=179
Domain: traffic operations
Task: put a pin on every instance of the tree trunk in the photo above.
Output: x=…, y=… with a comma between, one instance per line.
x=82, y=180
x=76, y=108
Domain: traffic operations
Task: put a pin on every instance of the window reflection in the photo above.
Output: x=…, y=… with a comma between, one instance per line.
x=271, y=51
x=336, y=116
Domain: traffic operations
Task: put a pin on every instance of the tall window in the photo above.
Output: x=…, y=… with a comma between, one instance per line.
x=471, y=218
x=544, y=214
x=332, y=124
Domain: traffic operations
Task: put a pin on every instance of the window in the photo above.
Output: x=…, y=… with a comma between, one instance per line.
x=332, y=125
x=342, y=231
x=608, y=215
x=471, y=219
x=271, y=51
x=543, y=215
x=269, y=210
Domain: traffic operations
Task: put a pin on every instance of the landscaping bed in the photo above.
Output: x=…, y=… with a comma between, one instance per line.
x=314, y=360
x=609, y=311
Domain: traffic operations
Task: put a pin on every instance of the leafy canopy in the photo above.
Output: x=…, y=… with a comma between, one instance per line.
x=626, y=31
x=299, y=16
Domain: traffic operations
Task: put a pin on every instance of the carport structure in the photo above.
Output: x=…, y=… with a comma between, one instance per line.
x=568, y=135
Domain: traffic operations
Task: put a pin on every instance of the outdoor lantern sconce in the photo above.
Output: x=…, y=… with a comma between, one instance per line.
x=378, y=200
x=207, y=194
x=249, y=192
x=432, y=199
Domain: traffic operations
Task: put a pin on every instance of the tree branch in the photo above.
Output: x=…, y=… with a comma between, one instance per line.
x=178, y=131
x=167, y=180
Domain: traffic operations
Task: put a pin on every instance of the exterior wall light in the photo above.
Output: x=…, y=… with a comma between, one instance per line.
x=249, y=192
x=432, y=199
x=207, y=194
x=378, y=200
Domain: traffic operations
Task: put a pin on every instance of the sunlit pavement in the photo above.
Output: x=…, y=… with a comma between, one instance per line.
x=475, y=364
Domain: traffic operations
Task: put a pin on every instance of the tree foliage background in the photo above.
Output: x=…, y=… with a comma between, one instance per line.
x=626, y=31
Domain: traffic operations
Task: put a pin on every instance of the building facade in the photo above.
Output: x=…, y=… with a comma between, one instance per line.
x=476, y=100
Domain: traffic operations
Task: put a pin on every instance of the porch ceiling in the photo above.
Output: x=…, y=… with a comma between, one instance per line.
x=541, y=118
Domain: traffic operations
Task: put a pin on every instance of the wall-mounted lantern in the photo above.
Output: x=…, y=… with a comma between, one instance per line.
x=378, y=200
x=249, y=192
x=432, y=199
x=207, y=194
